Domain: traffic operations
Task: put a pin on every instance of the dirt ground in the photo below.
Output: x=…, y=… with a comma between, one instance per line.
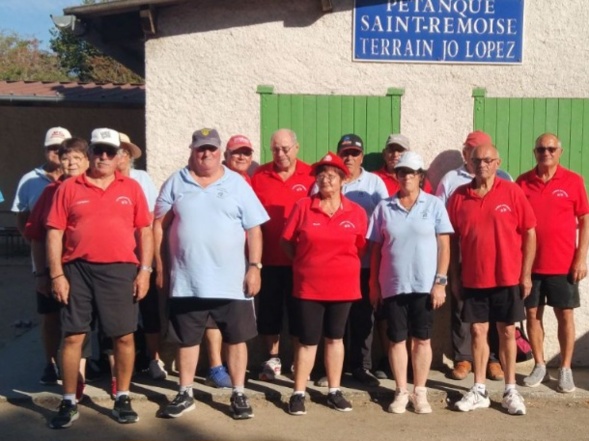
x=368, y=421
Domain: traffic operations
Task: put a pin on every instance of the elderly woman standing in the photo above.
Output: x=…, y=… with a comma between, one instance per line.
x=409, y=264
x=325, y=236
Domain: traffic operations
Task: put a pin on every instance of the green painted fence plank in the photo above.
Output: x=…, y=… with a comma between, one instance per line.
x=269, y=122
x=514, y=146
x=284, y=111
x=564, y=129
x=539, y=117
x=501, y=135
x=551, y=116
x=371, y=140
x=360, y=114
x=490, y=121
x=396, y=115
x=528, y=136
x=576, y=139
x=322, y=137
x=347, y=115
x=335, y=121
x=585, y=144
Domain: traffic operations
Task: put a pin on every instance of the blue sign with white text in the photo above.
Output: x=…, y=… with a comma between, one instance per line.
x=439, y=31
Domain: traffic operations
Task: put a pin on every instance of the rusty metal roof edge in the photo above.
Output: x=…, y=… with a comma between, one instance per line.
x=117, y=6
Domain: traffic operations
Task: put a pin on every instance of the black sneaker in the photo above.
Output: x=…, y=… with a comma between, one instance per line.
x=365, y=377
x=338, y=402
x=123, y=410
x=179, y=405
x=66, y=415
x=240, y=406
x=49, y=377
x=296, y=405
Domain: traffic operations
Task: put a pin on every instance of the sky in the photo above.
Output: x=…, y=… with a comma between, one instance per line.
x=30, y=18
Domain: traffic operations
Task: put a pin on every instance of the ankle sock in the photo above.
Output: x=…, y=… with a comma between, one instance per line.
x=480, y=388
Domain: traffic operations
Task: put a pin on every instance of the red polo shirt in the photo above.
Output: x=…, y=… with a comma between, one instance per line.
x=326, y=265
x=35, y=227
x=557, y=205
x=99, y=224
x=490, y=231
x=393, y=185
x=278, y=197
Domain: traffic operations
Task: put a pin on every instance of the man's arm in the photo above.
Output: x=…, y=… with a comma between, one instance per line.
x=454, y=269
x=145, y=244
x=21, y=220
x=374, y=284
x=40, y=261
x=438, y=292
x=59, y=283
x=579, y=268
x=253, y=279
x=528, y=255
x=160, y=225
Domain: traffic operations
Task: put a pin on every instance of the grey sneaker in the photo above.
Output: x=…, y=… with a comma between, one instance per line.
x=537, y=376
x=399, y=404
x=565, y=381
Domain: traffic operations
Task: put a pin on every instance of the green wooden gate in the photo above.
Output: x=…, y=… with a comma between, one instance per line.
x=320, y=120
x=515, y=123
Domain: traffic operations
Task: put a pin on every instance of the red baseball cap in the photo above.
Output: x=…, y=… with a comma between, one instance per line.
x=332, y=160
x=477, y=138
x=237, y=142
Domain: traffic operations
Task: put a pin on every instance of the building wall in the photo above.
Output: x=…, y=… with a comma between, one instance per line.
x=23, y=131
x=204, y=68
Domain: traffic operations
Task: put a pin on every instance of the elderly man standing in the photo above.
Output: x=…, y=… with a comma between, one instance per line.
x=559, y=199
x=29, y=189
x=495, y=236
x=461, y=342
x=278, y=184
x=94, y=269
x=204, y=214
x=367, y=190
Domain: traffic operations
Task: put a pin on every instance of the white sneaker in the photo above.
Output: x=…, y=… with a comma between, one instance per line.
x=419, y=400
x=472, y=400
x=399, y=404
x=270, y=369
x=156, y=370
x=513, y=402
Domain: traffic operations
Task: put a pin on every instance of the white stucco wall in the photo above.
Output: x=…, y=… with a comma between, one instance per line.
x=210, y=56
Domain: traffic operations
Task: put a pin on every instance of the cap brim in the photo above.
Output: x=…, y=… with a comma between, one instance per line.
x=132, y=148
x=350, y=147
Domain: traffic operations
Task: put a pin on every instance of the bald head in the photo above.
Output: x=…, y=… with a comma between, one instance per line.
x=548, y=138
x=485, y=161
x=547, y=152
x=284, y=148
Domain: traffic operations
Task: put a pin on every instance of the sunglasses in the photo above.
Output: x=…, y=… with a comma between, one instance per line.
x=99, y=150
x=545, y=149
x=402, y=172
x=206, y=148
x=244, y=152
x=350, y=152
x=52, y=148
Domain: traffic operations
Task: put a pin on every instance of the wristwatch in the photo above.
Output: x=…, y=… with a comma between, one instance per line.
x=256, y=264
x=146, y=268
x=441, y=280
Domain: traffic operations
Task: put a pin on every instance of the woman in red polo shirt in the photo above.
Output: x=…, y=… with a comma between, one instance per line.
x=325, y=237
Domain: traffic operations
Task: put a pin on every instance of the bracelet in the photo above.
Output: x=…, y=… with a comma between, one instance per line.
x=57, y=277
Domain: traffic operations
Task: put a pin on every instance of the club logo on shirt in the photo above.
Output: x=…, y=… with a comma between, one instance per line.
x=83, y=201
x=123, y=200
x=316, y=224
x=559, y=193
x=503, y=208
x=222, y=193
x=347, y=224
x=299, y=188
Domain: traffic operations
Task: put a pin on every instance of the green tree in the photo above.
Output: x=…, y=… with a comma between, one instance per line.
x=84, y=62
x=22, y=59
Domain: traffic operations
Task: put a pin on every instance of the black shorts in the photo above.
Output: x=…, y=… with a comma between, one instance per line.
x=274, y=299
x=103, y=289
x=503, y=304
x=236, y=319
x=553, y=290
x=47, y=304
x=316, y=318
x=409, y=315
x=149, y=307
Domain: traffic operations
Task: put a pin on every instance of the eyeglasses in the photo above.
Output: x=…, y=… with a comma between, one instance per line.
x=244, y=152
x=402, y=172
x=394, y=149
x=99, y=150
x=545, y=149
x=52, y=148
x=488, y=161
x=326, y=177
x=285, y=150
x=350, y=152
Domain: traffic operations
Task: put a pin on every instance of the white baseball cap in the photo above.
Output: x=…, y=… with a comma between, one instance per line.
x=106, y=136
x=56, y=135
x=410, y=160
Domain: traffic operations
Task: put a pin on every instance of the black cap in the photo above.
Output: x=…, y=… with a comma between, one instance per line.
x=350, y=141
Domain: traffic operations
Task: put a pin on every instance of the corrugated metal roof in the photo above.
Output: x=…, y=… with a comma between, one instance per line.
x=72, y=92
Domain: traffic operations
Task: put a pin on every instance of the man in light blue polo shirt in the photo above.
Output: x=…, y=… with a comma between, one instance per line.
x=461, y=339
x=206, y=212
x=367, y=190
x=32, y=184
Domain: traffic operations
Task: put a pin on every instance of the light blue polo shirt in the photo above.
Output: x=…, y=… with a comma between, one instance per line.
x=460, y=176
x=409, y=255
x=147, y=186
x=29, y=189
x=207, y=235
x=367, y=190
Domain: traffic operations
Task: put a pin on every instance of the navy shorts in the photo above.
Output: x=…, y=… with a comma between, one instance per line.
x=555, y=290
x=409, y=315
x=503, y=304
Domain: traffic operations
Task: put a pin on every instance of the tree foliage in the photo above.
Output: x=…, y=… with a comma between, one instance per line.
x=22, y=59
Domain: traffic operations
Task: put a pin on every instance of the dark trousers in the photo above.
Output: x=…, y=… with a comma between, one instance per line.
x=360, y=327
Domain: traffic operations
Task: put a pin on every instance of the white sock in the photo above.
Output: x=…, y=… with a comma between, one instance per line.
x=70, y=397
x=187, y=389
x=238, y=389
x=509, y=387
x=480, y=388
x=299, y=392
